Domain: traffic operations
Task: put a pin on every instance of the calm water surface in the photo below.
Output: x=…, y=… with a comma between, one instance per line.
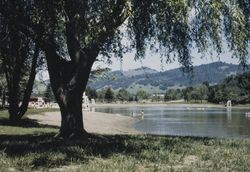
x=188, y=121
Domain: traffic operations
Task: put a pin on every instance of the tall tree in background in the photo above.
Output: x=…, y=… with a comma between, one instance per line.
x=109, y=95
x=19, y=56
x=76, y=32
x=91, y=93
x=142, y=95
x=3, y=85
x=123, y=95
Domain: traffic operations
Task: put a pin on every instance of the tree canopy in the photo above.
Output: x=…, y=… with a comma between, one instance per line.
x=168, y=27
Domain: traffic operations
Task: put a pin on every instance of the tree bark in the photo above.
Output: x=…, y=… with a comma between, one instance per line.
x=28, y=90
x=69, y=78
x=15, y=64
x=3, y=99
x=68, y=81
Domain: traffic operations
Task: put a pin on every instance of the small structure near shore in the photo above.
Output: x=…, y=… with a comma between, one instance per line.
x=38, y=102
x=85, y=102
x=247, y=114
x=229, y=109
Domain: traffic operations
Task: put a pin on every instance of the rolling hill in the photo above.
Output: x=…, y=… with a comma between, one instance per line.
x=154, y=81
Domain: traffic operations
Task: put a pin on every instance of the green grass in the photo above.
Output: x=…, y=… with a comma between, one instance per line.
x=25, y=126
x=31, y=147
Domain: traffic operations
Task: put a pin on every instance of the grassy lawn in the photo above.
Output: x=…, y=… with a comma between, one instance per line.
x=31, y=147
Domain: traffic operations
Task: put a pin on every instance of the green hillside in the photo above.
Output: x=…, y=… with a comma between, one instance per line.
x=153, y=81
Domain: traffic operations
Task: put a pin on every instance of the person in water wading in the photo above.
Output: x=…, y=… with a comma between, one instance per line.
x=142, y=114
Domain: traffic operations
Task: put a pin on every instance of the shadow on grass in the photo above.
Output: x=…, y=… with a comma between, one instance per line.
x=25, y=123
x=44, y=151
x=41, y=150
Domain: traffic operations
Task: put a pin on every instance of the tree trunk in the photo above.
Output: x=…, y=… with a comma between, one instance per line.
x=14, y=57
x=68, y=82
x=14, y=81
x=3, y=99
x=13, y=111
x=71, y=113
x=28, y=90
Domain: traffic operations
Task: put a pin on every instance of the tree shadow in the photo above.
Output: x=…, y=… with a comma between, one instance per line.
x=42, y=150
x=49, y=152
x=25, y=123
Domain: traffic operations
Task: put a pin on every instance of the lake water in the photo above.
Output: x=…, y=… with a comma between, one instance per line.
x=187, y=121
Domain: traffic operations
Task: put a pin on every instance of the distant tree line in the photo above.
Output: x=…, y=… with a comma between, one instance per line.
x=109, y=95
x=234, y=88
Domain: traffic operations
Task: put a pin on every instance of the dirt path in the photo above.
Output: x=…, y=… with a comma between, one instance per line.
x=95, y=122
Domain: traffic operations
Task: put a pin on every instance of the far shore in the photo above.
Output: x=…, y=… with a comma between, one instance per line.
x=169, y=104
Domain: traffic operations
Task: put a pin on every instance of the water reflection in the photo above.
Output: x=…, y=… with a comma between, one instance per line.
x=188, y=121
x=229, y=113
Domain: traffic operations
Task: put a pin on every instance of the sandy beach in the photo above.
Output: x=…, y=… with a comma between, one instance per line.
x=94, y=122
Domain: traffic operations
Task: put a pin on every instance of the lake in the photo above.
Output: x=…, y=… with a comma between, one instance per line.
x=187, y=121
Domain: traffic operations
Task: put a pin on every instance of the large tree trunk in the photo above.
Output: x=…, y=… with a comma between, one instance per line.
x=71, y=113
x=69, y=78
x=70, y=102
x=68, y=81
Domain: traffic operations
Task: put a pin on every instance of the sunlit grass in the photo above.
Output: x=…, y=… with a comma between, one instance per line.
x=25, y=126
x=4, y=113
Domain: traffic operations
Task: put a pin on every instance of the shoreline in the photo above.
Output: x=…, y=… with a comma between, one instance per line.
x=156, y=104
x=108, y=123
x=94, y=122
x=247, y=106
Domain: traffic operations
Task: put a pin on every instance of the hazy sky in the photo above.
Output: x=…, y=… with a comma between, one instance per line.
x=153, y=61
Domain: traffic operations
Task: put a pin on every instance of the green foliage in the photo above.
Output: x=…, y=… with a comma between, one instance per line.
x=199, y=92
x=99, y=72
x=141, y=95
x=101, y=94
x=109, y=95
x=187, y=93
x=215, y=95
x=173, y=94
x=234, y=88
x=91, y=93
x=168, y=27
x=123, y=95
x=173, y=27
